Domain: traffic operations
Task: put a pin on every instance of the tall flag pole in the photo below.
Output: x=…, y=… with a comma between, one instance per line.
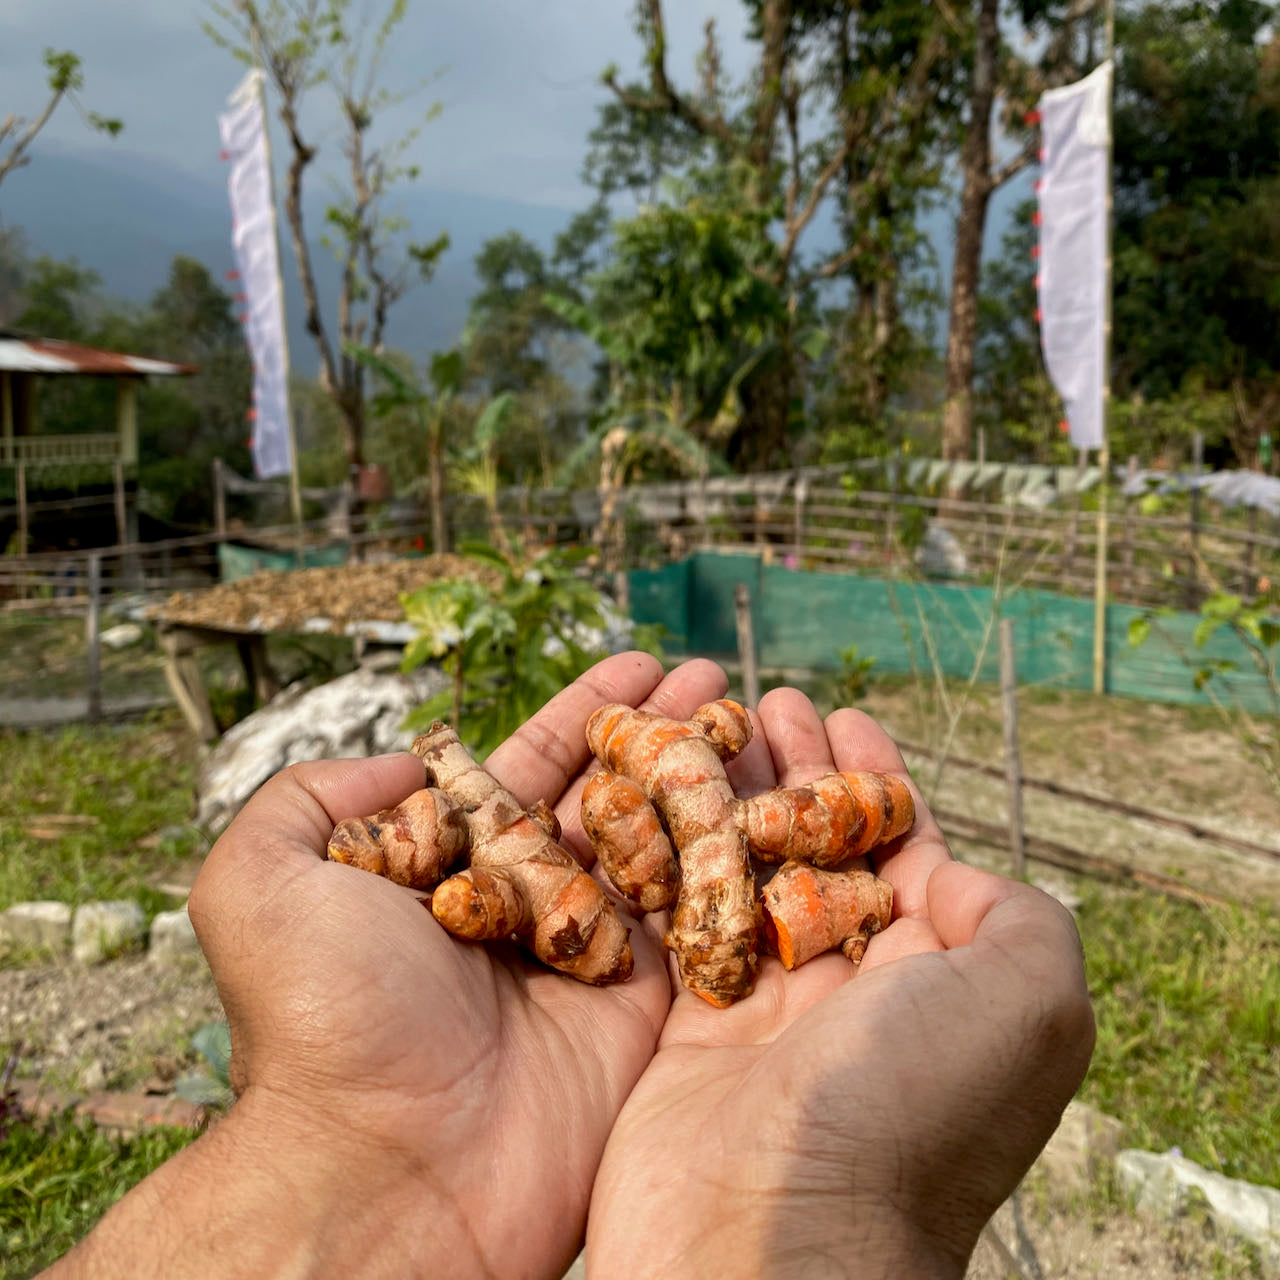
x=1074, y=278
x=245, y=141
x=1104, y=451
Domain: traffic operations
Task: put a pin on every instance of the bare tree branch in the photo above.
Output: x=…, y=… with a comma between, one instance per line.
x=661, y=96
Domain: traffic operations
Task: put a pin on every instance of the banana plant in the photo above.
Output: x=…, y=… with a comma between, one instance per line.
x=430, y=405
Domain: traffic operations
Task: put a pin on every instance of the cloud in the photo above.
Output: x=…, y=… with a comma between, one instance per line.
x=519, y=81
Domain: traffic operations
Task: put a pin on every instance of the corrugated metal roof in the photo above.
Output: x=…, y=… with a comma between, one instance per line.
x=22, y=354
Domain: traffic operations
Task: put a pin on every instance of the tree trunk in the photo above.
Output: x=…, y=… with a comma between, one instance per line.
x=962, y=325
x=435, y=476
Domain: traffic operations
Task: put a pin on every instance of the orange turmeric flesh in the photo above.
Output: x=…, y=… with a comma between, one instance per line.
x=807, y=911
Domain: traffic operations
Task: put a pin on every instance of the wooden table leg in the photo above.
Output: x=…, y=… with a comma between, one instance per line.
x=257, y=670
x=182, y=672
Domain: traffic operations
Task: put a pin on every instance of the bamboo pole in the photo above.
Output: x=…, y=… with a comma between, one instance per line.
x=295, y=484
x=122, y=523
x=23, y=529
x=1104, y=454
x=1012, y=758
x=219, y=499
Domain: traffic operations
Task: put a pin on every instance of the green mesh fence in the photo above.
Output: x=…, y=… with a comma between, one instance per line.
x=804, y=619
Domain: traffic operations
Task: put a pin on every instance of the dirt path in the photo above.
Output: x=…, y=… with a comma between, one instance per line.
x=125, y=1024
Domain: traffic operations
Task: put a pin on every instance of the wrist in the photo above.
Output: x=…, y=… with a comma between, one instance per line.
x=265, y=1193
x=775, y=1234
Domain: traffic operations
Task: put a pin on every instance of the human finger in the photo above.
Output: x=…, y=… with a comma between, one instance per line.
x=797, y=737
x=859, y=743
x=752, y=771
x=538, y=761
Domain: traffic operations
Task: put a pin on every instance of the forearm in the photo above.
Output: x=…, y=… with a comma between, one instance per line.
x=254, y=1197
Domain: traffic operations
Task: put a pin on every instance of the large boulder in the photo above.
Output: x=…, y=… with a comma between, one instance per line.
x=360, y=714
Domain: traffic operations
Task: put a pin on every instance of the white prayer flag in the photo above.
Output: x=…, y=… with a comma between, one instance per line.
x=243, y=127
x=1074, y=123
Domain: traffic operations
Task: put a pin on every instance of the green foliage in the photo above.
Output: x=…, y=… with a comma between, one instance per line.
x=1187, y=1001
x=212, y=1086
x=1197, y=145
x=509, y=648
x=183, y=423
x=58, y=1177
x=855, y=673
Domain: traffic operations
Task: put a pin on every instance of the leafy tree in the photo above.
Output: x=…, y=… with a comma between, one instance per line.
x=996, y=72
x=1013, y=398
x=518, y=346
x=65, y=80
x=304, y=45
x=1197, y=247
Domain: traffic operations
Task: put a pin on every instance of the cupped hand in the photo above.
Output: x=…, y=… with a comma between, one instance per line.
x=473, y=1089
x=833, y=1124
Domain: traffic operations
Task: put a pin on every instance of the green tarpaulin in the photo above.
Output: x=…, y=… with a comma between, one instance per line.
x=804, y=619
x=236, y=561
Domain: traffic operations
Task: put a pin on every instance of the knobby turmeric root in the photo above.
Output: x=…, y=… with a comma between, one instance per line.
x=520, y=883
x=677, y=766
x=669, y=833
x=413, y=844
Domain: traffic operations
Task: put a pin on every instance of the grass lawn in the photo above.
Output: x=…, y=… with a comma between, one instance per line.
x=56, y=1181
x=1187, y=1001
x=95, y=812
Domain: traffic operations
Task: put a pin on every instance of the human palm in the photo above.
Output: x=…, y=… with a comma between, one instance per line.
x=828, y=1125
x=490, y=1078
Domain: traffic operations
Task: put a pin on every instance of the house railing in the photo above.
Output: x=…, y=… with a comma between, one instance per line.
x=60, y=450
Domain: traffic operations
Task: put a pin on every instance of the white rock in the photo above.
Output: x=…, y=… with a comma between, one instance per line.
x=172, y=935
x=122, y=636
x=100, y=930
x=1161, y=1186
x=43, y=926
x=359, y=714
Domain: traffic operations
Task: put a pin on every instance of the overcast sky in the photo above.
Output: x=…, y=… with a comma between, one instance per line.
x=518, y=80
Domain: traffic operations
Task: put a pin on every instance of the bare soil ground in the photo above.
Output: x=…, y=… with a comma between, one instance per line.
x=123, y=1025
x=1051, y=1237
x=1173, y=760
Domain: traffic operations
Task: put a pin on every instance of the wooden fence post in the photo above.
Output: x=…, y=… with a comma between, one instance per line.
x=1012, y=760
x=21, y=482
x=219, y=499
x=92, y=635
x=1193, y=522
x=1248, y=583
x=746, y=644
x=800, y=491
